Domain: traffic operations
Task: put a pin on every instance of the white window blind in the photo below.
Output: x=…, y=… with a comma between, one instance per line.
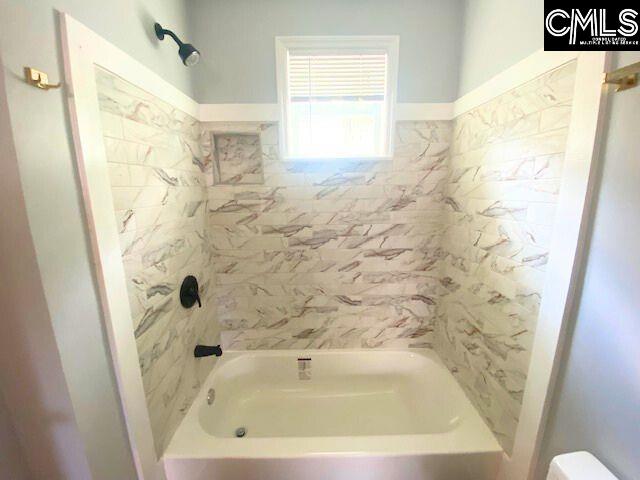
x=336, y=96
x=337, y=77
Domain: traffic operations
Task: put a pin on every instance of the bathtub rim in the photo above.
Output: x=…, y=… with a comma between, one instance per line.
x=190, y=440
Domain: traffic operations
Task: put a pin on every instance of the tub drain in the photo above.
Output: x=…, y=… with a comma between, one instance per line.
x=241, y=432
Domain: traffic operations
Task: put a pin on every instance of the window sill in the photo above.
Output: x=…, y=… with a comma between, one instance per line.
x=385, y=158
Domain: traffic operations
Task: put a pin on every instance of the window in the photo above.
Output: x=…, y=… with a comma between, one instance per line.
x=336, y=96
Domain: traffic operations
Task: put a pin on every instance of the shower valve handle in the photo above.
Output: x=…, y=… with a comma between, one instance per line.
x=189, y=292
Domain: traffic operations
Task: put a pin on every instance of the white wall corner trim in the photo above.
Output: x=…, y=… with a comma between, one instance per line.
x=565, y=261
x=83, y=50
x=525, y=70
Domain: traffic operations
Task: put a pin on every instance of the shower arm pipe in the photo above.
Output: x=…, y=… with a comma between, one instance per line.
x=172, y=35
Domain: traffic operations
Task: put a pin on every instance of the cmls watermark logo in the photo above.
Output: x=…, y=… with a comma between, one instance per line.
x=575, y=27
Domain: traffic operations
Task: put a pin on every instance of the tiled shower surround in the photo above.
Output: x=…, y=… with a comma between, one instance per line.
x=505, y=167
x=331, y=254
x=159, y=183
x=442, y=246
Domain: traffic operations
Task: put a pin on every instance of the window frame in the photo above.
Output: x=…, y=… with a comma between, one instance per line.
x=389, y=44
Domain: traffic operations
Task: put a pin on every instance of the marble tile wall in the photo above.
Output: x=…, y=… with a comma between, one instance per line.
x=506, y=162
x=159, y=177
x=237, y=158
x=443, y=246
x=331, y=254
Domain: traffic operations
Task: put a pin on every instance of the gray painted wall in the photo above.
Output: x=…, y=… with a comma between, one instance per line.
x=29, y=36
x=237, y=41
x=497, y=34
x=596, y=406
x=447, y=47
x=41, y=435
x=14, y=464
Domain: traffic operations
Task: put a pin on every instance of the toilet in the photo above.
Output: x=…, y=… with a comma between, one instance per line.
x=578, y=466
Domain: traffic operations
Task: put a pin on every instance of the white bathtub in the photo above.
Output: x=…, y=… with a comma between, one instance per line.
x=332, y=415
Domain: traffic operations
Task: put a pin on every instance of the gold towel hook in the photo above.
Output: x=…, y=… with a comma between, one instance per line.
x=39, y=79
x=623, y=78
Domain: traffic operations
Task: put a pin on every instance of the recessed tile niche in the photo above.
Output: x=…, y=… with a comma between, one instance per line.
x=237, y=158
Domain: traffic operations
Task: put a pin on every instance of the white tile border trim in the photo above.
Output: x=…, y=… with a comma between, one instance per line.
x=83, y=50
x=238, y=112
x=423, y=111
x=525, y=70
x=269, y=112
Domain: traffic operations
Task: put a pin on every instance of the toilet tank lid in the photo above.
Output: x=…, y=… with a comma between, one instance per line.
x=578, y=466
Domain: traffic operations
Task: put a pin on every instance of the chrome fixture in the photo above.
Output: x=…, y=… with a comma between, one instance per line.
x=211, y=396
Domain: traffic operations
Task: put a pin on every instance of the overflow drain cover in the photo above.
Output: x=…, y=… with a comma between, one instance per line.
x=241, y=432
